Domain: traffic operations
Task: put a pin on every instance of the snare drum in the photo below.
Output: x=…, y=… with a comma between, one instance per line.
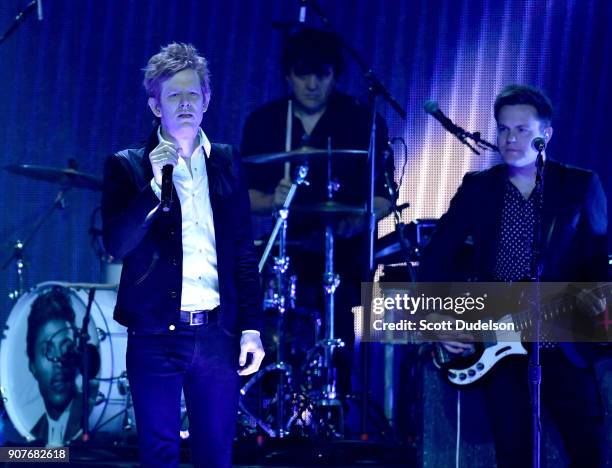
x=110, y=404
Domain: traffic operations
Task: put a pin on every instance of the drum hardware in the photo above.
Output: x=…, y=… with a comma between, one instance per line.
x=20, y=246
x=315, y=409
x=405, y=243
x=280, y=300
x=128, y=424
x=100, y=398
x=83, y=343
x=281, y=221
x=67, y=179
x=112, y=412
x=303, y=154
x=123, y=414
x=272, y=298
x=303, y=413
x=122, y=383
x=330, y=208
x=285, y=373
x=326, y=399
x=19, y=266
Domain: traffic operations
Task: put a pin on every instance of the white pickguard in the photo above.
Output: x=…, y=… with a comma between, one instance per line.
x=508, y=342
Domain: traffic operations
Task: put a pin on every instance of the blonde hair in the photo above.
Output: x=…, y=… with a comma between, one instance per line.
x=170, y=60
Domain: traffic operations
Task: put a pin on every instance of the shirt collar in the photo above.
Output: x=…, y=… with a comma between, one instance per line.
x=203, y=141
x=57, y=428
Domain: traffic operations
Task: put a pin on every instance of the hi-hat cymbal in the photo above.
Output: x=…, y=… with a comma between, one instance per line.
x=303, y=154
x=66, y=177
x=329, y=208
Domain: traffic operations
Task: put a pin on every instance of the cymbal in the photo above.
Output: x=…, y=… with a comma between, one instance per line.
x=67, y=177
x=302, y=154
x=329, y=208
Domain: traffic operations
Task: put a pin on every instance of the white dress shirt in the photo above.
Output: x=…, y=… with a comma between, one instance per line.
x=57, y=428
x=200, y=279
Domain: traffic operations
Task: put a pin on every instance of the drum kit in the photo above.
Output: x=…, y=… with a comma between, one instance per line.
x=93, y=352
x=303, y=400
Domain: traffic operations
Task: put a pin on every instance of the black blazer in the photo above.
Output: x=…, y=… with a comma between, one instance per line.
x=574, y=230
x=150, y=242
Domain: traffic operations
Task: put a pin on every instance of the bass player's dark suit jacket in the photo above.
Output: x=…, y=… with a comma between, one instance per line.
x=150, y=242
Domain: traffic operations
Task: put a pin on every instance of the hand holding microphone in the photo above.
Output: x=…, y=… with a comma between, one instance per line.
x=163, y=159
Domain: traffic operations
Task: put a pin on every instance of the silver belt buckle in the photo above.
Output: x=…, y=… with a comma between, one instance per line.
x=200, y=318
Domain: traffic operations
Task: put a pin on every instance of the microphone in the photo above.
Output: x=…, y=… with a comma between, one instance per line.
x=538, y=144
x=431, y=107
x=73, y=360
x=166, y=188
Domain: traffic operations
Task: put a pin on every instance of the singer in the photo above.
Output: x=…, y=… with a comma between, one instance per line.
x=189, y=287
x=496, y=208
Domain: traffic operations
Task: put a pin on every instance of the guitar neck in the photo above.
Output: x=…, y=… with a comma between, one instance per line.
x=565, y=304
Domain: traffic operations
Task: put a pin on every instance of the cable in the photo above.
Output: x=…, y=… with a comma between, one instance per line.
x=457, y=443
x=405, y=148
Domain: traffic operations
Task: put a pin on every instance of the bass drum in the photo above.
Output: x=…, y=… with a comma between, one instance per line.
x=40, y=372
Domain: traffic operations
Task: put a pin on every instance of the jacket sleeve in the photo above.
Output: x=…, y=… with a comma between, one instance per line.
x=127, y=211
x=438, y=260
x=595, y=232
x=246, y=272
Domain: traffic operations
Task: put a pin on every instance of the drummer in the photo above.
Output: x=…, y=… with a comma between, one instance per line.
x=314, y=114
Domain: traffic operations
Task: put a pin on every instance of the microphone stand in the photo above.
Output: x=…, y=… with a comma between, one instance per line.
x=375, y=86
x=463, y=135
x=59, y=202
x=84, y=338
x=535, y=369
x=21, y=16
x=375, y=89
x=480, y=143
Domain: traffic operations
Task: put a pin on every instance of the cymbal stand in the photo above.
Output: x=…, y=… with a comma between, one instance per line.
x=281, y=299
x=281, y=222
x=375, y=88
x=20, y=246
x=331, y=280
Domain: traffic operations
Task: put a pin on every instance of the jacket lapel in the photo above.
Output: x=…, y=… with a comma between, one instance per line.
x=552, y=191
x=152, y=142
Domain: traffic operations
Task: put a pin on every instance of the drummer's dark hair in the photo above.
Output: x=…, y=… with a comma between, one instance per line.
x=53, y=304
x=312, y=50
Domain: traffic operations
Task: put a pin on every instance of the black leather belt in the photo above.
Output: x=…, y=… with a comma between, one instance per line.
x=198, y=317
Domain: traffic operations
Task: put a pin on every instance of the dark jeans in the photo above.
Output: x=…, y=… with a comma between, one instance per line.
x=569, y=396
x=201, y=360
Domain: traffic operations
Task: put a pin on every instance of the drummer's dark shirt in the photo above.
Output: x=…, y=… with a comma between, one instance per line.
x=345, y=124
